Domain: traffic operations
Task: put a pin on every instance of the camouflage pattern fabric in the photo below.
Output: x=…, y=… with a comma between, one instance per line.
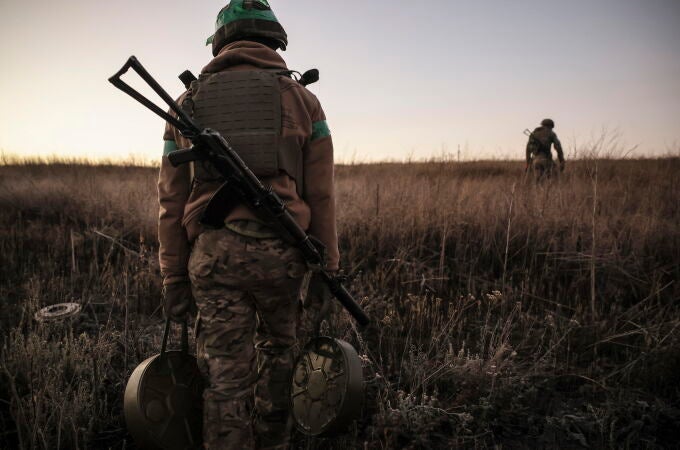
x=542, y=167
x=247, y=293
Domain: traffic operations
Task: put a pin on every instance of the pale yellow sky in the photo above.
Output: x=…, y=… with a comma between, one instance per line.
x=399, y=78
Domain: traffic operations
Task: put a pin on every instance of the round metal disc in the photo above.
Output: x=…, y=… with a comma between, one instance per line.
x=163, y=403
x=61, y=311
x=327, y=387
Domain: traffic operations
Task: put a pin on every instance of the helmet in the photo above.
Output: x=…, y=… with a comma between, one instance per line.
x=242, y=19
x=548, y=123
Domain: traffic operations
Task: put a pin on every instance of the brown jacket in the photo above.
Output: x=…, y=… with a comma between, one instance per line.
x=182, y=204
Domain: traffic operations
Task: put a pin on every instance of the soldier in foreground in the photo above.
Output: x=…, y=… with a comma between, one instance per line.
x=245, y=280
x=539, y=150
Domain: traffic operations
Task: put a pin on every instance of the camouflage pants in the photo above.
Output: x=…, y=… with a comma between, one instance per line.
x=246, y=290
x=542, y=167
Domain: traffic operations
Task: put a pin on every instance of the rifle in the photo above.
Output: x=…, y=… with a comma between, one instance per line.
x=530, y=135
x=240, y=186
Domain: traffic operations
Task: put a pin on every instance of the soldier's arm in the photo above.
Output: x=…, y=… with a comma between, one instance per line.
x=174, y=187
x=558, y=147
x=319, y=187
x=529, y=151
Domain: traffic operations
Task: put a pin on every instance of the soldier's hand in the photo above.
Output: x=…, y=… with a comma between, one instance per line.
x=178, y=302
x=319, y=297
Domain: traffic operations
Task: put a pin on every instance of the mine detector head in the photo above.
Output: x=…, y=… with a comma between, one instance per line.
x=247, y=20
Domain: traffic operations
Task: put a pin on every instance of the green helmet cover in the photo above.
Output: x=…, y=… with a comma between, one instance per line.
x=241, y=19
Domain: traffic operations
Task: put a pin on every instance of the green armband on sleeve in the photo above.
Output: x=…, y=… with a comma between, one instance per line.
x=320, y=130
x=169, y=147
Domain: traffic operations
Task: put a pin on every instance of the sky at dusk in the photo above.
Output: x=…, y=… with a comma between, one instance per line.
x=399, y=79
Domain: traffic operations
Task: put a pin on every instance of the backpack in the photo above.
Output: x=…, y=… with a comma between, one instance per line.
x=540, y=142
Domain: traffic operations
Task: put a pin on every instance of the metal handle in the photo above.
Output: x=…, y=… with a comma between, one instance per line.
x=185, y=338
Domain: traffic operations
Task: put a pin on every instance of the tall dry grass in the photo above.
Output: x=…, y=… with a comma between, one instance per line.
x=506, y=313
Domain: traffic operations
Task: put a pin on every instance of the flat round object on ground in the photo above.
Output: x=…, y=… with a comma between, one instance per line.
x=55, y=313
x=163, y=403
x=327, y=387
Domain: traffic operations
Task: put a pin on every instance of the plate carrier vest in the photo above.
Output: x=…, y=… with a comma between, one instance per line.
x=540, y=142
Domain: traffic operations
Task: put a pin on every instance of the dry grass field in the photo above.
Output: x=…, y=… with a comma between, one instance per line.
x=506, y=314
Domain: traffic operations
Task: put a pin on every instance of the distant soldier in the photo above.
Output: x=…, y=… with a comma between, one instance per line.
x=539, y=150
x=245, y=279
